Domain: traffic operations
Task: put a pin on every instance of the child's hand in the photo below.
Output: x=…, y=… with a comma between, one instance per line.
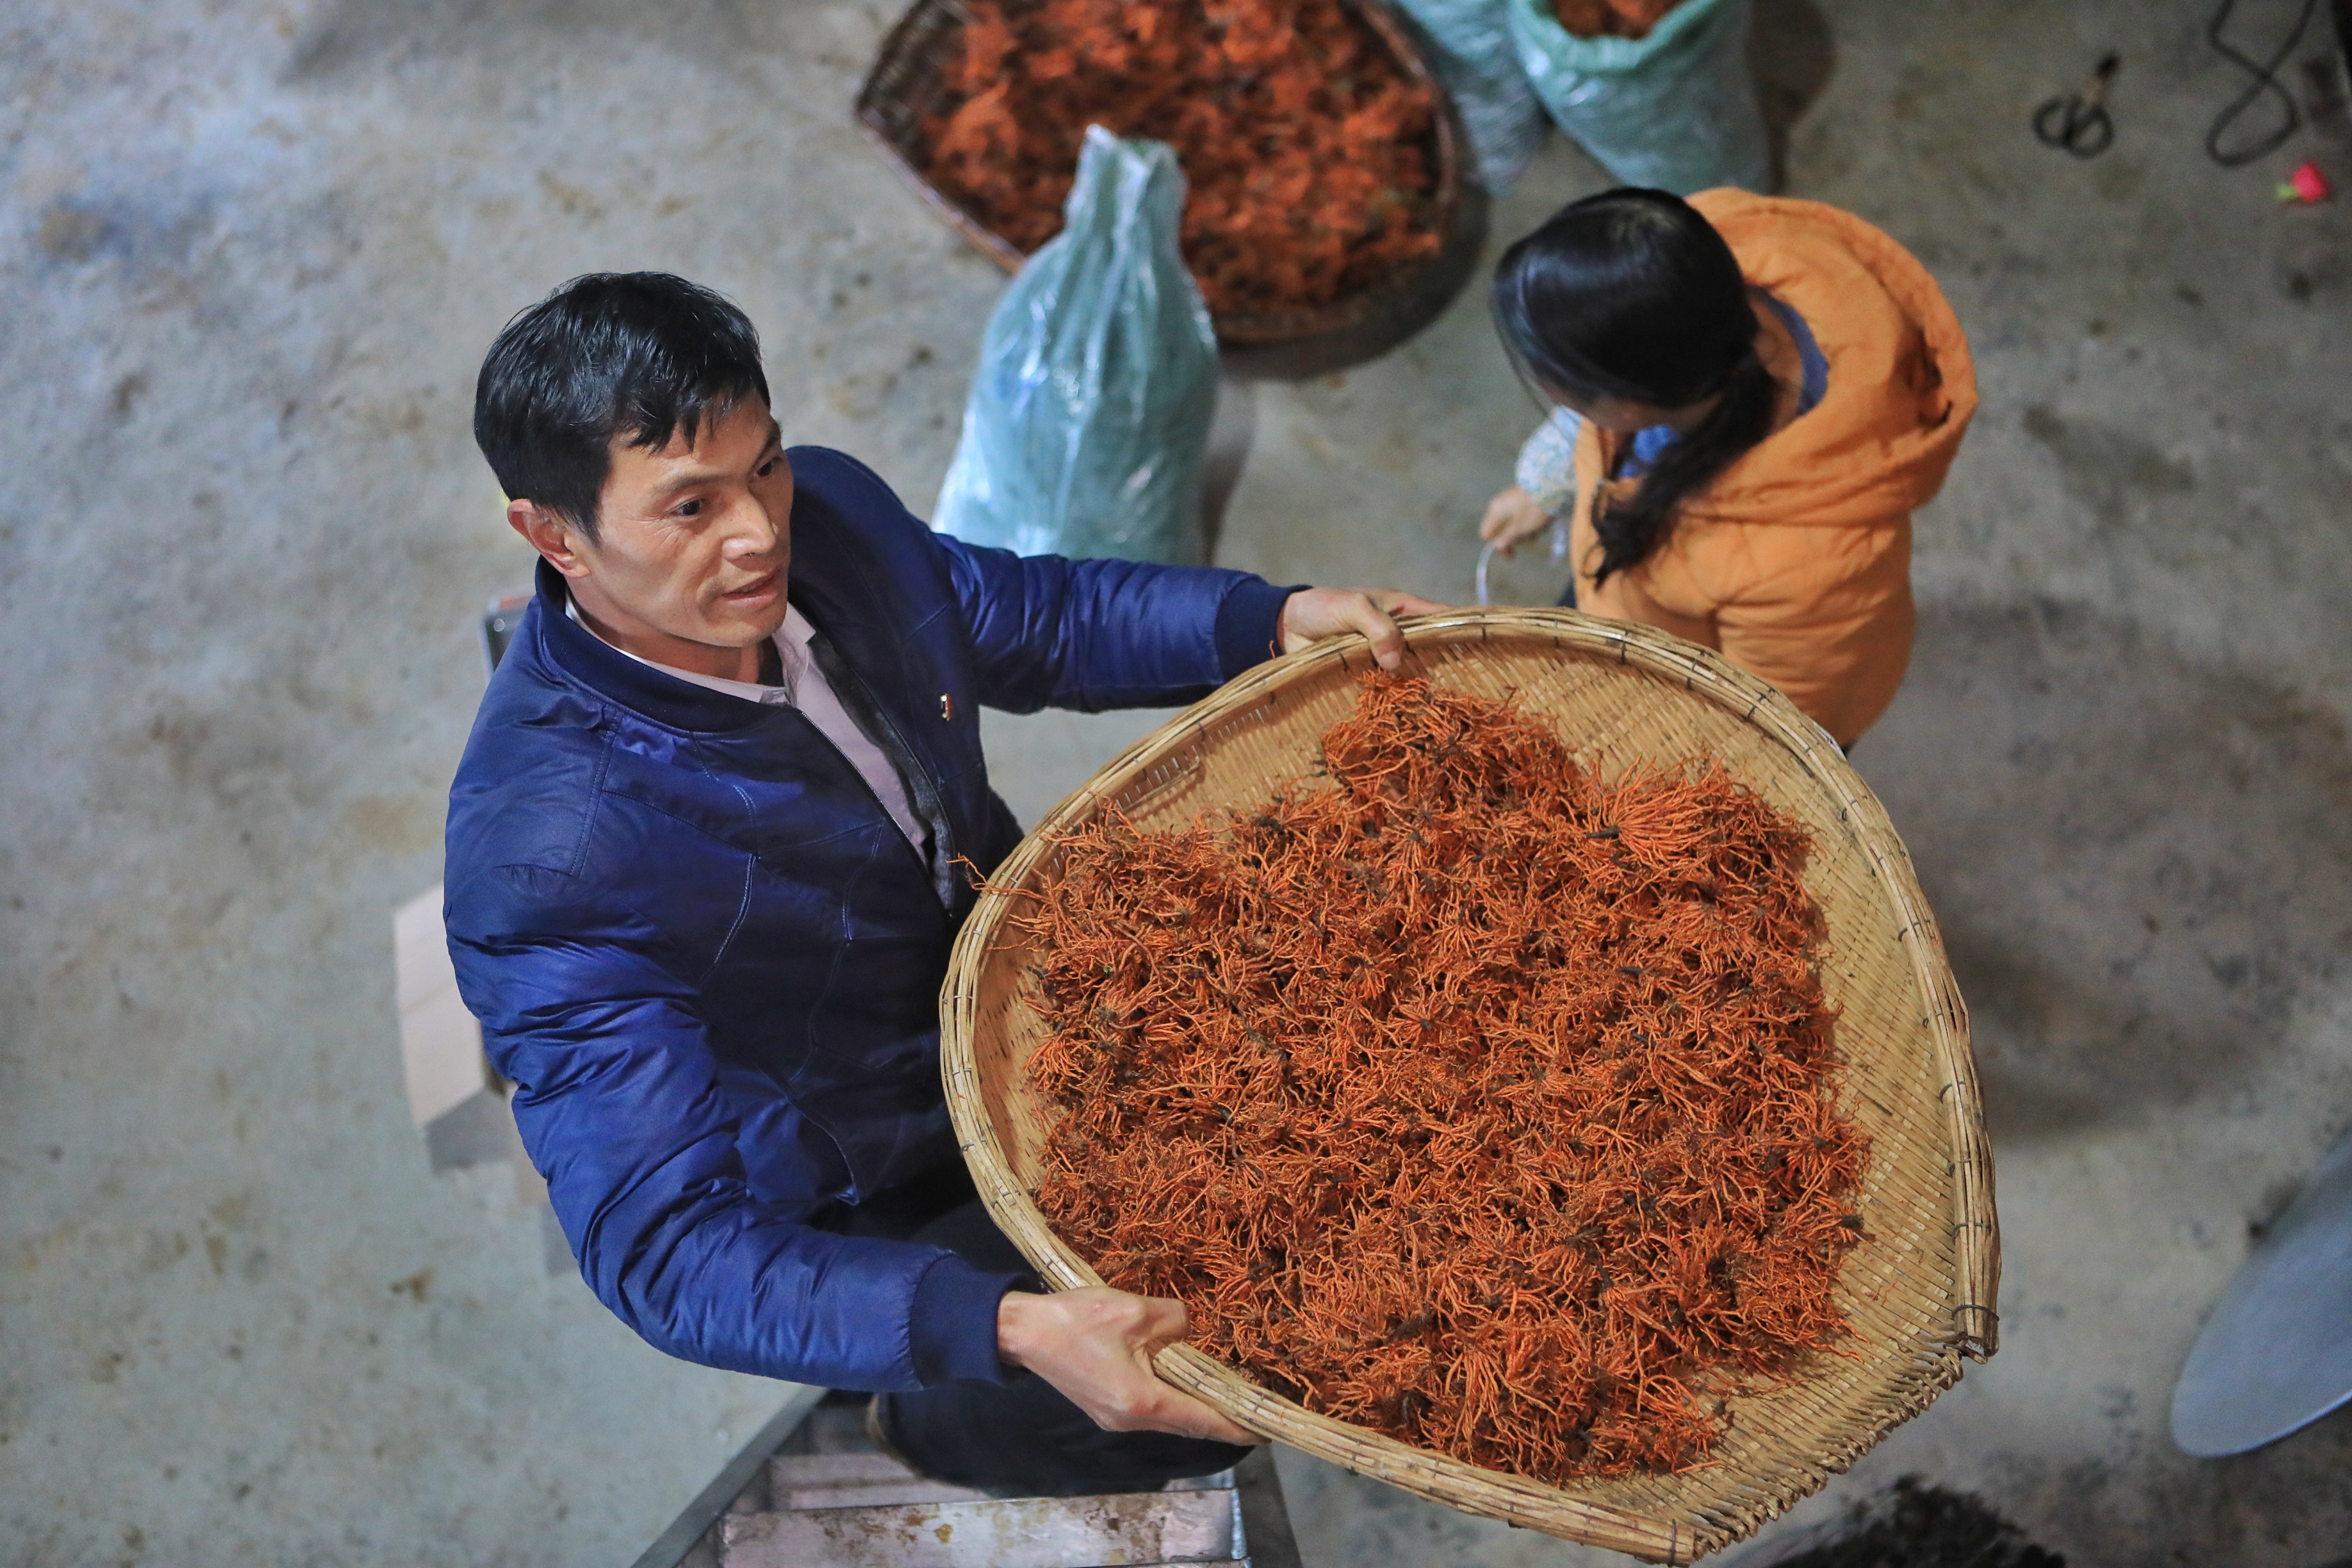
x=1512, y=515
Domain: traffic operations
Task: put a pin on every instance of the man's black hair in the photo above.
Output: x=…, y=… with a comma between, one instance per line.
x=637, y=354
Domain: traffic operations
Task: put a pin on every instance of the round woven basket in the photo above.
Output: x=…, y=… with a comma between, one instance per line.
x=908, y=84
x=1920, y=1289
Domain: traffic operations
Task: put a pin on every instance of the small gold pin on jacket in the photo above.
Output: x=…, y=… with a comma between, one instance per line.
x=947, y=708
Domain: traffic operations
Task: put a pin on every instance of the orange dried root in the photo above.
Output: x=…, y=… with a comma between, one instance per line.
x=1306, y=149
x=1611, y=19
x=1471, y=1099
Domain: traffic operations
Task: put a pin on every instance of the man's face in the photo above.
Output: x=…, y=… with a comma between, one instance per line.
x=693, y=543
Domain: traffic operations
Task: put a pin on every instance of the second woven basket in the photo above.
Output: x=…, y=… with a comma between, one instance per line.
x=908, y=84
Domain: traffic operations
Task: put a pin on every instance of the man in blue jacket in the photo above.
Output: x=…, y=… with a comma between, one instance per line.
x=703, y=875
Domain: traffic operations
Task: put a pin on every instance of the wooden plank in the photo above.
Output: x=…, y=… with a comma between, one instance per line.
x=1121, y=1530
x=798, y=1481
x=440, y=1044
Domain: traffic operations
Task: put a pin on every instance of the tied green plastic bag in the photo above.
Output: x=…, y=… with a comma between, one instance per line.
x=1097, y=381
x=1675, y=110
x=1472, y=50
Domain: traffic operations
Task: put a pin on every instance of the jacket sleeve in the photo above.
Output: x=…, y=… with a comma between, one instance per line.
x=625, y=1111
x=1095, y=634
x=1547, y=465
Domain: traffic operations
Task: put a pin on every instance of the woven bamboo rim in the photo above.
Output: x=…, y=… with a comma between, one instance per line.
x=909, y=82
x=1921, y=1289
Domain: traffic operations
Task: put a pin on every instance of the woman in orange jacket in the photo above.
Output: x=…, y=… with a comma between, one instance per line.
x=1752, y=395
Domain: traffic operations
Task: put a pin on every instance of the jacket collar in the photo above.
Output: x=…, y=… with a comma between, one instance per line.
x=573, y=650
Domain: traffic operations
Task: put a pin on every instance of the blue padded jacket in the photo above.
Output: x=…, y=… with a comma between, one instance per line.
x=710, y=963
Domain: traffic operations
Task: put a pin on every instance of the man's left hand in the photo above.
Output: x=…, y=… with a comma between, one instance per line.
x=1312, y=614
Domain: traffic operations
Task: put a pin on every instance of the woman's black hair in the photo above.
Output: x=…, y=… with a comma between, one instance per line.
x=642, y=355
x=1632, y=295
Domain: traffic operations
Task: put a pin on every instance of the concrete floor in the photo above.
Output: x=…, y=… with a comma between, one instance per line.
x=251, y=255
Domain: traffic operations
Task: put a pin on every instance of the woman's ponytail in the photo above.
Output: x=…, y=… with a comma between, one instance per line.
x=1632, y=296
x=1632, y=530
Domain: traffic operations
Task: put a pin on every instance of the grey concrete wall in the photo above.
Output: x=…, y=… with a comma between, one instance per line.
x=251, y=254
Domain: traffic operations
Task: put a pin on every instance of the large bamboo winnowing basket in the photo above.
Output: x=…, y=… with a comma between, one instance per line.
x=1920, y=1289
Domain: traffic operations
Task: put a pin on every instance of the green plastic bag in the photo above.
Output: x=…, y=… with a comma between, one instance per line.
x=1087, y=417
x=1675, y=110
x=1470, y=48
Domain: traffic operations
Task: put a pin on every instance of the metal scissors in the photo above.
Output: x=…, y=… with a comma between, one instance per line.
x=2078, y=121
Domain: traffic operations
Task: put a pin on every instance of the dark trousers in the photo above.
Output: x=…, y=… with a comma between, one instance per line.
x=1021, y=1437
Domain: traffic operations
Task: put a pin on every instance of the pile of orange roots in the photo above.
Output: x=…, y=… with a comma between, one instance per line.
x=1611, y=18
x=1471, y=1099
x=1306, y=147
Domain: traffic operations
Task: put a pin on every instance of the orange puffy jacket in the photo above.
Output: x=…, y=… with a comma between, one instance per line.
x=1795, y=563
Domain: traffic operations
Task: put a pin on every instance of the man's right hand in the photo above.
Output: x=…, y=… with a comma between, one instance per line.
x=1096, y=1345
x=1513, y=515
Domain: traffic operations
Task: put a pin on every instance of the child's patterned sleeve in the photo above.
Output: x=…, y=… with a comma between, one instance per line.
x=1548, y=462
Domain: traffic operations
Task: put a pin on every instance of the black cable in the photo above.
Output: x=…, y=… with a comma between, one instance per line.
x=2266, y=81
